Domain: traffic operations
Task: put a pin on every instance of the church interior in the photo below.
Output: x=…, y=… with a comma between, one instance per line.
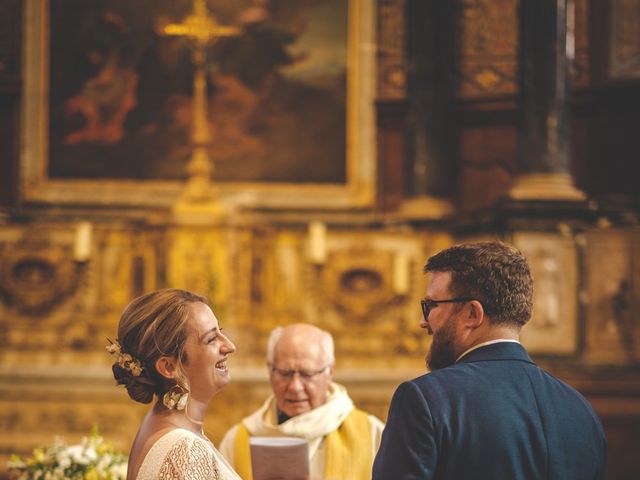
x=298, y=161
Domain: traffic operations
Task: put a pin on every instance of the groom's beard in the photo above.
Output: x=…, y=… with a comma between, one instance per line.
x=442, y=352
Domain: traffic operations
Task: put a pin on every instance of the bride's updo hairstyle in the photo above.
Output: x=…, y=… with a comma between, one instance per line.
x=152, y=326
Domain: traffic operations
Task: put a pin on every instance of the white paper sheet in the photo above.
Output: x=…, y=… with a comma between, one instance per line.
x=279, y=458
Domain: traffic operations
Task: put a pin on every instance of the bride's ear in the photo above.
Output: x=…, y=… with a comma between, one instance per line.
x=166, y=367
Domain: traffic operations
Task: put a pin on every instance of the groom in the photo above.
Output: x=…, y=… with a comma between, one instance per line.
x=486, y=410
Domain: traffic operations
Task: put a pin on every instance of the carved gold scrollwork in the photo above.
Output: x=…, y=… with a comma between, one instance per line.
x=358, y=281
x=35, y=279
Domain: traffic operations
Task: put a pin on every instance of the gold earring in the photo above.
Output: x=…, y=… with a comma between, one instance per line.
x=176, y=397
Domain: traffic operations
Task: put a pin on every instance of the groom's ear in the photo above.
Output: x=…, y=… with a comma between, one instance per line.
x=166, y=367
x=476, y=315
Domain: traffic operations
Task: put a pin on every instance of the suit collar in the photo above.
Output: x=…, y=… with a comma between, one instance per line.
x=497, y=351
x=498, y=340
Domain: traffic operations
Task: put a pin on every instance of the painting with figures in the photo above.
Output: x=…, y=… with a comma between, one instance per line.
x=120, y=102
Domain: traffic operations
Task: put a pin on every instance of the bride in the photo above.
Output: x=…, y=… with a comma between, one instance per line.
x=170, y=346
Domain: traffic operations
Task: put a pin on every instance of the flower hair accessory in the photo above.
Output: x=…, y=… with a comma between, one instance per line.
x=176, y=397
x=125, y=360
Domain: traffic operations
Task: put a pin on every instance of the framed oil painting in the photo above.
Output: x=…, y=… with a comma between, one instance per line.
x=108, y=102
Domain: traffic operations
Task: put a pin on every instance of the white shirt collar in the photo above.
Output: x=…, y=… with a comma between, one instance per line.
x=484, y=344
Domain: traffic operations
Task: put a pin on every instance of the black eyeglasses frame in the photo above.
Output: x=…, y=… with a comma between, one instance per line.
x=428, y=304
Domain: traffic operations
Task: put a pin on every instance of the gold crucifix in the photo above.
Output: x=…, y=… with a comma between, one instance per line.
x=202, y=28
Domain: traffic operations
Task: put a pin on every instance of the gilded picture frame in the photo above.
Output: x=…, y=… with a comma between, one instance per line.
x=356, y=189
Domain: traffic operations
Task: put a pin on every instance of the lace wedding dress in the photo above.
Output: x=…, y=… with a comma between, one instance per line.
x=182, y=455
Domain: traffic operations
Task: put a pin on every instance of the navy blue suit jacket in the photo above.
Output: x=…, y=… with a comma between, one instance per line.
x=493, y=415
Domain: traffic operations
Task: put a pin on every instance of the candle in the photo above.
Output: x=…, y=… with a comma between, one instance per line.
x=317, y=242
x=401, y=273
x=82, y=244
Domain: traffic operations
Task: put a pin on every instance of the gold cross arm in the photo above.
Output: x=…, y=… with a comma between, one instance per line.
x=200, y=25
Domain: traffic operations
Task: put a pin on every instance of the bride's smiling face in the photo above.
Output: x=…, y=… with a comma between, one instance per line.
x=207, y=349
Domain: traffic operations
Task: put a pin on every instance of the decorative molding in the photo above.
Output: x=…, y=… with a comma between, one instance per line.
x=487, y=46
x=392, y=68
x=425, y=207
x=545, y=186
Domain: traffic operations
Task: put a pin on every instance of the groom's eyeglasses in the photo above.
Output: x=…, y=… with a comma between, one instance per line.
x=428, y=305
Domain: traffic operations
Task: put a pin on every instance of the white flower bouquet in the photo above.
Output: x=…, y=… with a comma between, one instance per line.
x=91, y=459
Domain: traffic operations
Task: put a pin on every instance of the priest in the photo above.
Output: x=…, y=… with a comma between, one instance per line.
x=306, y=403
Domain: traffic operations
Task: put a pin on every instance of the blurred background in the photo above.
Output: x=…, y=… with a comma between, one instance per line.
x=299, y=160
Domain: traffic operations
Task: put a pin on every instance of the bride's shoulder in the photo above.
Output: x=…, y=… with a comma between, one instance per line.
x=179, y=454
x=147, y=439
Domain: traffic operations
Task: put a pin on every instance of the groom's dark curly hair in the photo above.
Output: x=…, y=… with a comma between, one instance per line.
x=494, y=273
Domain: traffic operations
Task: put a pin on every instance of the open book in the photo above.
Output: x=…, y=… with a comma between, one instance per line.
x=279, y=458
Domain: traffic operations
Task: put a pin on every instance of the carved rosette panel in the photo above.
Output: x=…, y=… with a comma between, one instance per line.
x=35, y=277
x=358, y=281
x=487, y=48
x=392, y=69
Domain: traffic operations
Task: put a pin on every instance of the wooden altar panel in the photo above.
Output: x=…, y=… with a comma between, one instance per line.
x=553, y=258
x=487, y=48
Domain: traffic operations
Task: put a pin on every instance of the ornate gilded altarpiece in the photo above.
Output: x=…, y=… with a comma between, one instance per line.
x=57, y=312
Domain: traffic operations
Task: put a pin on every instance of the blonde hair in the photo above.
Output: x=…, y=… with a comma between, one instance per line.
x=154, y=325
